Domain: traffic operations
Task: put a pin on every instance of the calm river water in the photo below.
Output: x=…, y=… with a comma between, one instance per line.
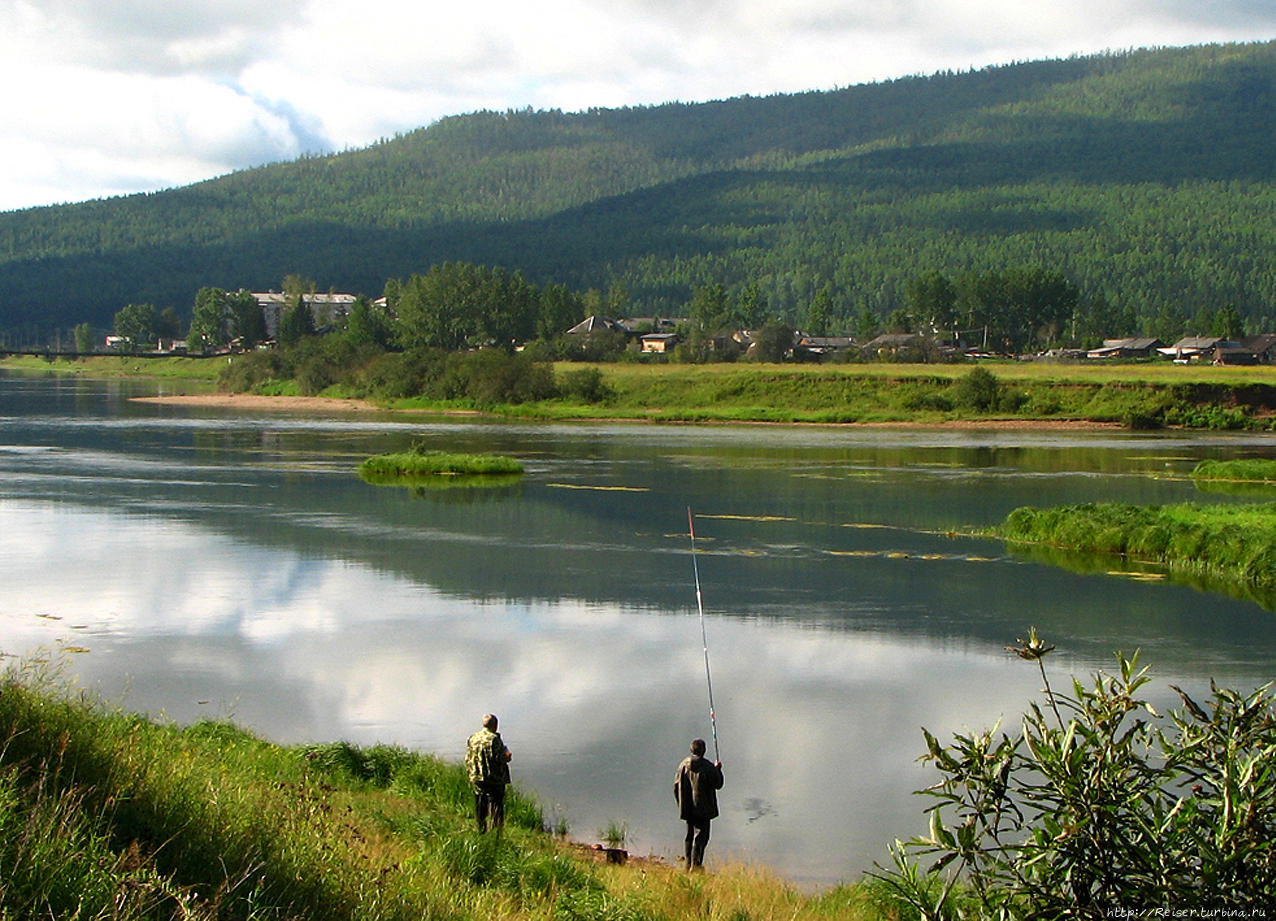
x=202, y=564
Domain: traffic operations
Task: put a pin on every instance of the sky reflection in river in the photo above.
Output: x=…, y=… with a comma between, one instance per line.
x=598, y=703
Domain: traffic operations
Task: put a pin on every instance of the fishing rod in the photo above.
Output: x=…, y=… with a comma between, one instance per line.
x=708, y=676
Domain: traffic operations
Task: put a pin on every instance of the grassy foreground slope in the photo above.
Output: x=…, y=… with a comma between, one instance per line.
x=106, y=814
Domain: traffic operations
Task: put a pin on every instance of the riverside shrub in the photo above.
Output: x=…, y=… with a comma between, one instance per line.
x=979, y=390
x=1099, y=804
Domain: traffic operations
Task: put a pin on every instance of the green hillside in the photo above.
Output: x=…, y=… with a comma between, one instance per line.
x=1147, y=178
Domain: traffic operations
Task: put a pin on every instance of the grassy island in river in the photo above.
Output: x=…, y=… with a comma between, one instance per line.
x=419, y=462
x=1244, y=470
x=1233, y=544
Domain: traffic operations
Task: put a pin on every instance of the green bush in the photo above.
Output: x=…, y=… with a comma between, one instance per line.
x=586, y=385
x=1220, y=418
x=489, y=377
x=402, y=375
x=1097, y=803
x=979, y=391
x=322, y=362
x=245, y=373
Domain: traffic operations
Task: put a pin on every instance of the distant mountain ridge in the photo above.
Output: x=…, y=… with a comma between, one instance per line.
x=1147, y=177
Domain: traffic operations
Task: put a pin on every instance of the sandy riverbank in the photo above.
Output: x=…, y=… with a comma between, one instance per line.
x=257, y=402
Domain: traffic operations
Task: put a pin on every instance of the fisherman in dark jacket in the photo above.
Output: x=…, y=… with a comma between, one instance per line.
x=696, y=787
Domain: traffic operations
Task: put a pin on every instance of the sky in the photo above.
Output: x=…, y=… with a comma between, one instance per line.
x=111, y=97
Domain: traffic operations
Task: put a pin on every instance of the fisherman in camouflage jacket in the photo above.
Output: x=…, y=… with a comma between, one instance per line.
x=487, y=761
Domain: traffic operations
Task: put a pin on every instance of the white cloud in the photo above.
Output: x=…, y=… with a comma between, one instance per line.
x=142, y=94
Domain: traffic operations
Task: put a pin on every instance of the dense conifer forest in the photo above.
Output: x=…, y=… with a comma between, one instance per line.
x=1146, y=179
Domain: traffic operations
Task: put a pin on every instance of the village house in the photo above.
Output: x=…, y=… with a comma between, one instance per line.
x=821, y=347
x=1262, y=347
x=1127, y=348
x=658, y=343
x=1196, y=348
x=890, y=345
x=596, y=324
x=641, y=325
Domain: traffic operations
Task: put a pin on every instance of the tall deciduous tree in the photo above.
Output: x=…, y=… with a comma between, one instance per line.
x=560, y=310
x=297, y=322
x=932, y=299
x=136, y=324
x=439, y=309
x=1228, y=323
x=84, y=341
x=367, y=324
x=246, y=320
x=208, y=321
x=1020, y=308
x=457, y=305
x=819, y=313
x=710, y=309
x=773, y=342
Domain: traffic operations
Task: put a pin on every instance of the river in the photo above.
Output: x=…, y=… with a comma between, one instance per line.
x=199, y=563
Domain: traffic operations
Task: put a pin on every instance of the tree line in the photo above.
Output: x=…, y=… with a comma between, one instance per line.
x=460, y=307
x=1144, y=177
x=456, y=307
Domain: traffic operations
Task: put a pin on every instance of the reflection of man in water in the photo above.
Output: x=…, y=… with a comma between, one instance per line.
x=696, y=787
x=487, y=761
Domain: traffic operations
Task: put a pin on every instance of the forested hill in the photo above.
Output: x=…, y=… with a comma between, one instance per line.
x=1148, y=178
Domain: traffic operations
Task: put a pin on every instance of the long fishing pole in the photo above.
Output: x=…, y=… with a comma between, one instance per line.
x=708, y=676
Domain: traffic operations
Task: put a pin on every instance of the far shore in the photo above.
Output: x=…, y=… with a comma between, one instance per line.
x=259, y=402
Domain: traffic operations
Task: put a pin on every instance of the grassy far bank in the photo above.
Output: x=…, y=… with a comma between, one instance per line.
x=188, y=369
x=1134, y=395
x=105, y=814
